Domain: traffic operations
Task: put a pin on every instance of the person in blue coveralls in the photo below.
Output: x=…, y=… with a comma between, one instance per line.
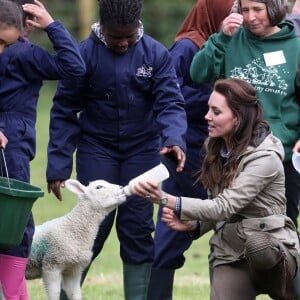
x=202, y=21
x=121, y=117
x=23, y=67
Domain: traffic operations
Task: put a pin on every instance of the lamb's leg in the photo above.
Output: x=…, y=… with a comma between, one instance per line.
x=52, y=281
x=71, y=284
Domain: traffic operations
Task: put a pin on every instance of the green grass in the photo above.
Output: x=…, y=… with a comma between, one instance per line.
x=104, y=280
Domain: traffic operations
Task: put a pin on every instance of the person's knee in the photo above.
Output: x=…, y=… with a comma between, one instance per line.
x=262, y=251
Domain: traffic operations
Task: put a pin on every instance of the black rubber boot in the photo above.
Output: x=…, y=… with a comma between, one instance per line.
x=136, y=281
x=161, y=284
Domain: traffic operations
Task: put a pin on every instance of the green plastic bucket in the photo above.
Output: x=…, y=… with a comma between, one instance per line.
x=16, y=201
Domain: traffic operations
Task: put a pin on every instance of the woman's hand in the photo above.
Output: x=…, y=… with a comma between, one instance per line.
x=296, y=7
x=152, y=192
x=149, y=190
x=171, y=220
x=232, y=23
x=297, y=147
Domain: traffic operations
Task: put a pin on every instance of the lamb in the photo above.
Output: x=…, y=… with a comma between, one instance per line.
x=62, y=247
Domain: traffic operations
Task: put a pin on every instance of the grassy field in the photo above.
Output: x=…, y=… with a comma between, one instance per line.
x=104, y=280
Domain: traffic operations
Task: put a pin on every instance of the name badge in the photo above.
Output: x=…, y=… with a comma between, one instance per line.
x=274, y=58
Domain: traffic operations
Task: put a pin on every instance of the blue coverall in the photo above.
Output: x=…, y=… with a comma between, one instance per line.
x=23, y=67
x=118, y=117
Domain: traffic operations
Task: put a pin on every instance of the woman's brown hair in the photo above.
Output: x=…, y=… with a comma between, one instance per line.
x=242, y=99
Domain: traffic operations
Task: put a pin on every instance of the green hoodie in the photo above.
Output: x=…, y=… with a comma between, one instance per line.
x=270, y=64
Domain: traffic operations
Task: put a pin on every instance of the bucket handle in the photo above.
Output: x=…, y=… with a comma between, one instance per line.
x=5, y=165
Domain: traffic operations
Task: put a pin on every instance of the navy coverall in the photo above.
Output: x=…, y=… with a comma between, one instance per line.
x=23, y=67
x=118, y=117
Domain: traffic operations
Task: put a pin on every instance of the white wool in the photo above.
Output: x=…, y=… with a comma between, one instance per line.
x=62, y=247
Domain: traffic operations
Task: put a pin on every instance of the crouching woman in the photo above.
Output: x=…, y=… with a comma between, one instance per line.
x=255, y=247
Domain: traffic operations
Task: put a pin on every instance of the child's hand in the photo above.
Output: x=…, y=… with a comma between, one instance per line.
x=41, y=16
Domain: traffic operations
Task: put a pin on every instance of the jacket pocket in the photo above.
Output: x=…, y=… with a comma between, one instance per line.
x=263, y=224
x=276, y=225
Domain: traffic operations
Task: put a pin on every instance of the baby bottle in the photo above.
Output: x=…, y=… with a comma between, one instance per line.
x=158, y=174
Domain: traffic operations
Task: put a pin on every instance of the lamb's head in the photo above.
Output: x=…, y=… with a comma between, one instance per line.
x=101, y=194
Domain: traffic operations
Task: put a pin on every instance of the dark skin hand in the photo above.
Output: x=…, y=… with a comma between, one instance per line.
x=54, y=187
x=177, y=152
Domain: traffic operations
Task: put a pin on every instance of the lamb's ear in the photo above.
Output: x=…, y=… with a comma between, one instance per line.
x=75, y=186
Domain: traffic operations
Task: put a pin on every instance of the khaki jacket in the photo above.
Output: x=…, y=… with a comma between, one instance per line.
x=255, y=202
